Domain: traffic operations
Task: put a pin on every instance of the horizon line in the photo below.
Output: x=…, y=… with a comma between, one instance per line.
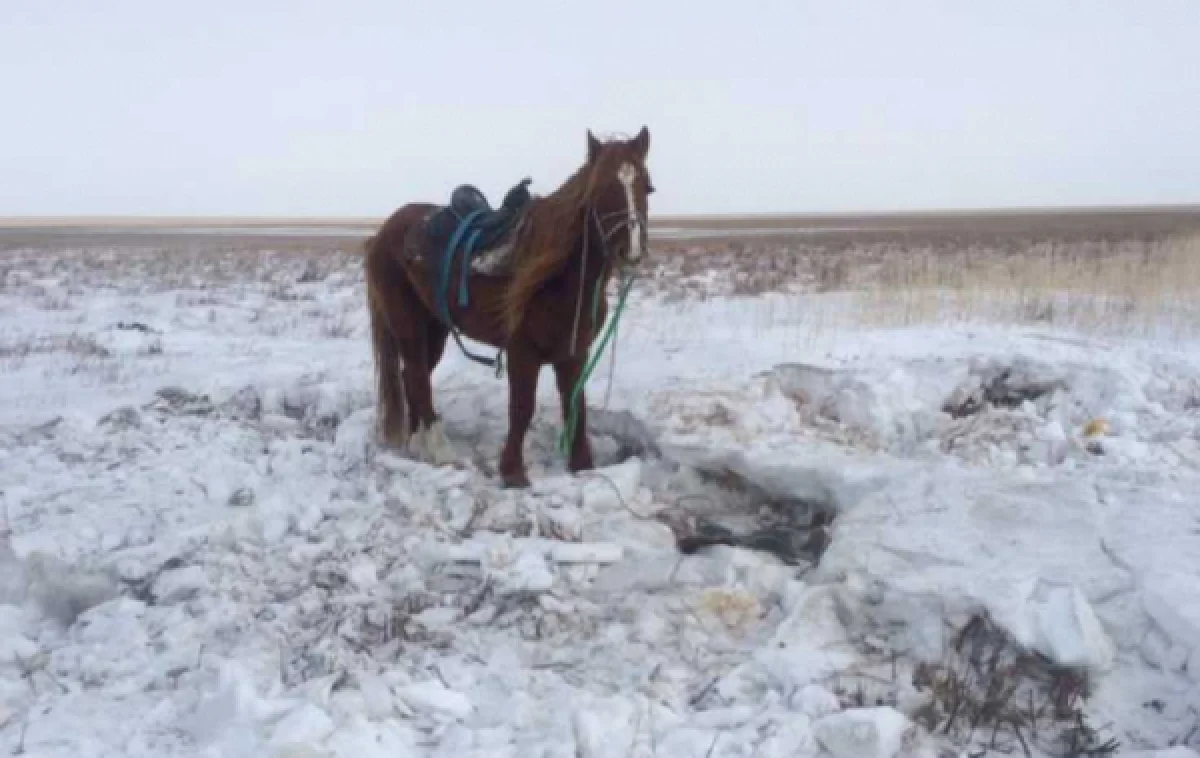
x=73, y=220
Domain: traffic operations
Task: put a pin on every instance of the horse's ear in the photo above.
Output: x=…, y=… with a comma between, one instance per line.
x=593, y=146
x=641, y=142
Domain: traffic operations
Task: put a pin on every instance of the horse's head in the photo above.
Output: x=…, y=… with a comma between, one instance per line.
x=601, y=207
x=620, y=187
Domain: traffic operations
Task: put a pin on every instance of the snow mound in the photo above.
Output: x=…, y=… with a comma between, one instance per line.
x=1029, y=552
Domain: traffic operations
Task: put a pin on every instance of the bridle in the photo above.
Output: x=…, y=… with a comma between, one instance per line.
x=629, y=217
x=622, y=224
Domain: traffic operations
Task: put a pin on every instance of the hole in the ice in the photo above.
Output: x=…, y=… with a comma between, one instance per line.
x=719, y=506
x=1001, y=386
x=724, y=508
x=618, y=436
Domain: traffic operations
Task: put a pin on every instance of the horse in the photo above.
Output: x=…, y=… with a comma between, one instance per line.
x=564, y=251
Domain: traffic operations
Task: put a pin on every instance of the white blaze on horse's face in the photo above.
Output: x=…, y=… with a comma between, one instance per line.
x=626, y=174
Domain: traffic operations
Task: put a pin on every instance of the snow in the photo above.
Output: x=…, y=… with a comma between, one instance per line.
x=862, y=732
x=432, y=697
x=204, y=552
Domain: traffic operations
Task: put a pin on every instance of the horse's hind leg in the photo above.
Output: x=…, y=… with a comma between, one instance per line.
x=436, y=344
x=430, y=433
x=431, y=349
x=523, y=370
x=394, y=418
x=403, y=331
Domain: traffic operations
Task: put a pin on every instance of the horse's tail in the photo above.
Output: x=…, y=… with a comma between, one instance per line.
x=390, y=398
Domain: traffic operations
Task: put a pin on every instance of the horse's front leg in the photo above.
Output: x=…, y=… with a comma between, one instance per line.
x=523, y=372
x=568, y=372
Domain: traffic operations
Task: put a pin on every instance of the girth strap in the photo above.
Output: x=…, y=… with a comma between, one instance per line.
x=441, y=293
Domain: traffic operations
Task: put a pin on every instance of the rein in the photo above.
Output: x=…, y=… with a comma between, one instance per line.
x=604, y=238
x=623, y=288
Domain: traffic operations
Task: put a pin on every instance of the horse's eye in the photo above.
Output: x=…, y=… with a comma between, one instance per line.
x=649, y=188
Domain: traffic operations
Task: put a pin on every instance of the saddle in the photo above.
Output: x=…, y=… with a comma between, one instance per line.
x=467, y=226
x=470, y=223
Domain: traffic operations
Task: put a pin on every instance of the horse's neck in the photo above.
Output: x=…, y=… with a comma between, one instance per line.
x=588, y=266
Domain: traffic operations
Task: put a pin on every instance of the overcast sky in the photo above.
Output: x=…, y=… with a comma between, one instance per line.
x=299, y=107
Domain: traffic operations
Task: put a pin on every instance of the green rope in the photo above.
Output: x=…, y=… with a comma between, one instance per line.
x=568, y=433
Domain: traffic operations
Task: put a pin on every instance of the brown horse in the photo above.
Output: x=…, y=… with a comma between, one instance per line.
x=539, y=309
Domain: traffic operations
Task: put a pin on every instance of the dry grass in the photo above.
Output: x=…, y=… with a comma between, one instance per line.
x=84, y=355
x=1139, y=281
x=990, y=695
x=1131, y=271
x=141, y=266
x=1135, y=288
x=84, y=346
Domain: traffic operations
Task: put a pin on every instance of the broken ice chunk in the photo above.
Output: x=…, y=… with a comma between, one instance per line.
x=862, y=732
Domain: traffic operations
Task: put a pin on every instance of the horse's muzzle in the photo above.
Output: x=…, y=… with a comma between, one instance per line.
x=635, y=251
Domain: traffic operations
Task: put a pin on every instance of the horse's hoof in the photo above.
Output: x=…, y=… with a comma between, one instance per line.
x=430, y=445
x=584, y=464
x=515, y=481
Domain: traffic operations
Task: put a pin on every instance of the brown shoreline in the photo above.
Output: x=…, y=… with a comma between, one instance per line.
x=690, y=221
x=943, y=230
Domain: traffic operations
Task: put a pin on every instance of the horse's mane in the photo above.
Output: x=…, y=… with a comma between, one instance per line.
x=552, y=227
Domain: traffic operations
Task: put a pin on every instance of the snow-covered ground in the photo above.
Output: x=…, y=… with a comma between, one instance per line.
x=209, y=555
